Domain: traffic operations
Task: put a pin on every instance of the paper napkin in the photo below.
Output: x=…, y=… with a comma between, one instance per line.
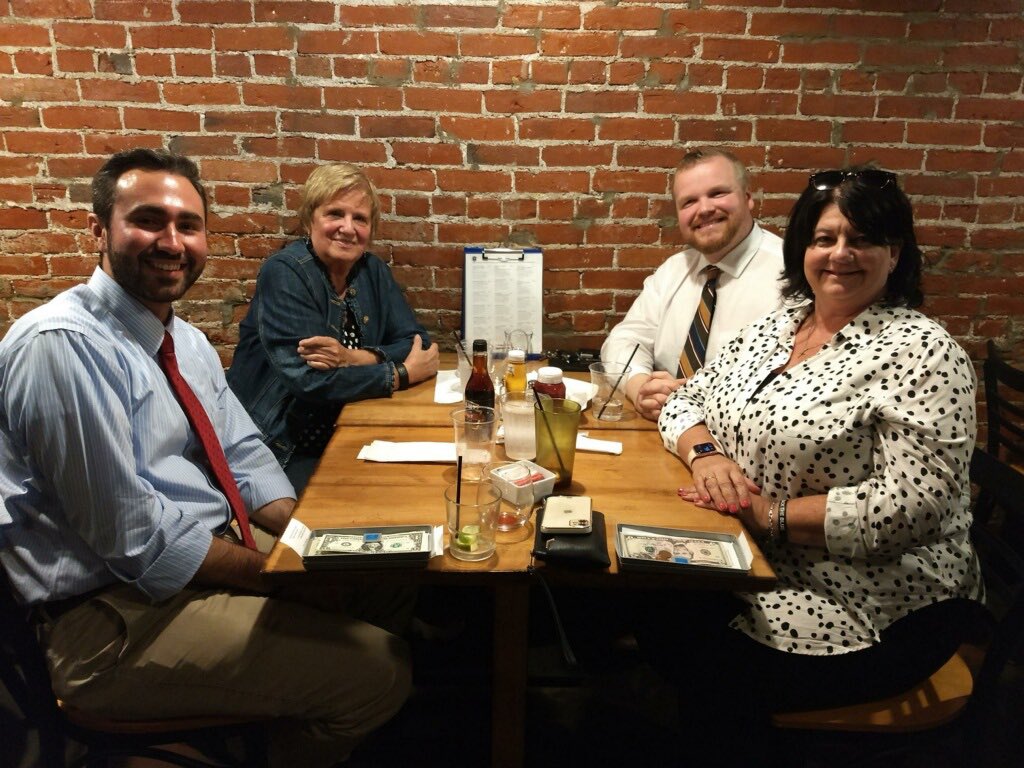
x=411, y=452
x=446, y=387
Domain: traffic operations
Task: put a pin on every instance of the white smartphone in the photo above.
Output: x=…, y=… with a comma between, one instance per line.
x=567, y=514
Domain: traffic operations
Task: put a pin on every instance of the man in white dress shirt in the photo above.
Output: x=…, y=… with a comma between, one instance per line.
x=714, y=206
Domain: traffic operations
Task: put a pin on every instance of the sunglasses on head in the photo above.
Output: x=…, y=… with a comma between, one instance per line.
x=873, y=177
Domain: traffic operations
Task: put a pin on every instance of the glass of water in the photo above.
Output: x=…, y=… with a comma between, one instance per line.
x=609, y=379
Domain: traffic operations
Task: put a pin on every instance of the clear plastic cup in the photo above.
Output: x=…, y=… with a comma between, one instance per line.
x=610, y=381
x=475, y=430
x=472, y=517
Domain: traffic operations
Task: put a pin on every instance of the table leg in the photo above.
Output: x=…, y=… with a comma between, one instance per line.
x=508, y=710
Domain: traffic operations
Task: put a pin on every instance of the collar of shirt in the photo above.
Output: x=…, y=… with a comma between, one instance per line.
x=734, y=262
x=859, y=332
x=136, y=318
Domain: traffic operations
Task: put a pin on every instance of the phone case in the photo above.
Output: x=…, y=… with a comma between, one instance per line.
x=589, y=550
x=567, y=514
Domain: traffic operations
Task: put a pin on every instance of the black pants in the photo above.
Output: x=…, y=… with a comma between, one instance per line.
x=730, y=685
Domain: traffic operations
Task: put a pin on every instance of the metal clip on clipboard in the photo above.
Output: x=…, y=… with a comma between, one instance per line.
x=503, y=254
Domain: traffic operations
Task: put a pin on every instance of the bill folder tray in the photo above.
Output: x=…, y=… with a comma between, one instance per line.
x=390, y=546
x=645, y=548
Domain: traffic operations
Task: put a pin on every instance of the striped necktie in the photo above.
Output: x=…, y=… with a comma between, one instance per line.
x=208, y=439
x=692, y=358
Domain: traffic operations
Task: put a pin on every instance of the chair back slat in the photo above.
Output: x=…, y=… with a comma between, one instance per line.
x=998, y=534
x=24, y=673
x=1004, y=397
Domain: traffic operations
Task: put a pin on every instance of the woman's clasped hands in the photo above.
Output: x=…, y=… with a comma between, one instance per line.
x=720, y=484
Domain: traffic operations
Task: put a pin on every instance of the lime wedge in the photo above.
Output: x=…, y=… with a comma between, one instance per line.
x=468, y=536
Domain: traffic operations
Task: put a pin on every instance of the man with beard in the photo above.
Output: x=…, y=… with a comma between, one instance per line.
x=139, y=500
x=713, y=204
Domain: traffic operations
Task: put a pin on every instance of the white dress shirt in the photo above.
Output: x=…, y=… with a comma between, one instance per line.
x=660, y=318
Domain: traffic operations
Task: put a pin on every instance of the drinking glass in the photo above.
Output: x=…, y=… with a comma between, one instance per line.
x=472, y=518
x=520, y=431
x=557, y=424
x=514, y=480
x=475, y=429
x=496, y=362
x=610, y=381
x=517, y=338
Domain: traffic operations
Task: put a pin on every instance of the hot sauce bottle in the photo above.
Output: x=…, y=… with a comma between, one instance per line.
x=480, y=388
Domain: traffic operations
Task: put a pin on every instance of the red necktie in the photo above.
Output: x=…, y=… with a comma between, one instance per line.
x=207, y=437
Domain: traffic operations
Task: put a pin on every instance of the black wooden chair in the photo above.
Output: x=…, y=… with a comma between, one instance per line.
x=1004, y=396
x=24, y=673
x=958, y=702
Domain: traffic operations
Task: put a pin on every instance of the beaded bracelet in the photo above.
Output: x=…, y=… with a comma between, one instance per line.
x=771, y=520
x=782, y=519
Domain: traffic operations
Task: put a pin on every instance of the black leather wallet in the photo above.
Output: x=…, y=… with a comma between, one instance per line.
x=578, y=550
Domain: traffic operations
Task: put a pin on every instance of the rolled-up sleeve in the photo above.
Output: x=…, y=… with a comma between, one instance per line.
x=259, y=477
x=921, y=450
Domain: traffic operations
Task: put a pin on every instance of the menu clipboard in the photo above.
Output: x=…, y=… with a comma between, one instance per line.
x=502, y=289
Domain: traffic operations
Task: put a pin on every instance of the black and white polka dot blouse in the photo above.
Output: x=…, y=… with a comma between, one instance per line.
x=882, y=420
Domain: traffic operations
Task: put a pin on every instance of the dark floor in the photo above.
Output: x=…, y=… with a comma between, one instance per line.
x=617, y=713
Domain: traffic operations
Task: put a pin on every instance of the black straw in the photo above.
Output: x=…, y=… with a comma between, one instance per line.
x=616, y=387
x=460, y=348
x=458, y=491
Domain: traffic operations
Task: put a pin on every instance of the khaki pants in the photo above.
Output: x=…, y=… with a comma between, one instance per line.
x=326, y=678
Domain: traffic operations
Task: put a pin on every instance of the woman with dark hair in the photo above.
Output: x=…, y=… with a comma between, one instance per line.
x=328, y=325
x=839, y=429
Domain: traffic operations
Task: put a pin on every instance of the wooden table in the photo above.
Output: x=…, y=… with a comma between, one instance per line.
x=638, y=486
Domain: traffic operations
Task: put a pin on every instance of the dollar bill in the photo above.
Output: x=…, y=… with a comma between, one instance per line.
x=357, y=543
x=677, y=549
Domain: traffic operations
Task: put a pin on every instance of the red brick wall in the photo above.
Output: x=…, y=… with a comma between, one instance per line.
x=544, y=122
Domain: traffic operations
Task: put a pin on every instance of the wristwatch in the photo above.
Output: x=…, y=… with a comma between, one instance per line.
x=701, y=449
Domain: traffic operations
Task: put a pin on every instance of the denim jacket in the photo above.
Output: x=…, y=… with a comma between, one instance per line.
x=294, y=300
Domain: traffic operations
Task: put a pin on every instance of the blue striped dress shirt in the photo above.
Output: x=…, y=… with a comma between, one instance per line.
x=101, y=476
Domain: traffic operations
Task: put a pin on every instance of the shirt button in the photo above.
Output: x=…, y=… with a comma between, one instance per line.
x=366, y=319
x=351, y=291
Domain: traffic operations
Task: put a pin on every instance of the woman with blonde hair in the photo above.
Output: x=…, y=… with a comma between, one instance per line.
x=328, y=324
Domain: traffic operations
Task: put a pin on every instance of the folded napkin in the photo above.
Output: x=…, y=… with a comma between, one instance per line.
x=580, y=391
x=412, y=452
x=584, y=443
x=446, y=387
